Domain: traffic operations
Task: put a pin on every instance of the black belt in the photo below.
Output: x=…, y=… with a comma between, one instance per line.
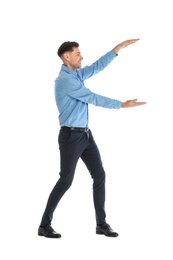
x=77, y=129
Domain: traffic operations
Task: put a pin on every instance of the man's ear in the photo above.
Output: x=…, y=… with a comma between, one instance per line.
x=66, y=56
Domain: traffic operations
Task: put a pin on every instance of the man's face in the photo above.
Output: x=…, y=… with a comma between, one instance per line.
x=74, y=59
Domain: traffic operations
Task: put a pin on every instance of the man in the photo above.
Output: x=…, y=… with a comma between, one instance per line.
x=75, y=138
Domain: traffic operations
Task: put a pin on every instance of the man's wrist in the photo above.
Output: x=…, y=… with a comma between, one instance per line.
x=116, y=50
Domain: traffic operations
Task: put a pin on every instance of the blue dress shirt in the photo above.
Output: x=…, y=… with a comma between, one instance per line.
x=72, y=97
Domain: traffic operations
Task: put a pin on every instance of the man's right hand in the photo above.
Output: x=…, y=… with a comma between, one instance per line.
x=132, y=103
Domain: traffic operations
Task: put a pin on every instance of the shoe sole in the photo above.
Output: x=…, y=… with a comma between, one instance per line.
x=102, y=233
x=41, y=235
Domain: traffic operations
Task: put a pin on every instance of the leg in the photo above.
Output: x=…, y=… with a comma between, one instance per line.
x=71, y=145
x=91, y=158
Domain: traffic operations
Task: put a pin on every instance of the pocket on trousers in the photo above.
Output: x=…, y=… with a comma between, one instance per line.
x=64, y=136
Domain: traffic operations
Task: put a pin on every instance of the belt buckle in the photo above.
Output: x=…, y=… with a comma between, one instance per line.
x=86, y=130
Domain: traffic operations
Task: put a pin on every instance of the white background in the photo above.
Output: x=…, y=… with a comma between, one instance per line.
x=135, y=144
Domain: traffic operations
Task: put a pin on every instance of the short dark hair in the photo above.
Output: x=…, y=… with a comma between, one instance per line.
x=66, y=46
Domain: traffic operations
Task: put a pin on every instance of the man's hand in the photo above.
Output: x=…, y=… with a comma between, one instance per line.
x=124, y=45
x=132, y=103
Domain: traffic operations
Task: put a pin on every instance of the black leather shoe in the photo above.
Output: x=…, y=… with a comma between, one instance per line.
x=106, y=230
x=48, y=232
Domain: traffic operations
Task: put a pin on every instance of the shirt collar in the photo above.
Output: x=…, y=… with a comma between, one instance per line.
x=68, y=70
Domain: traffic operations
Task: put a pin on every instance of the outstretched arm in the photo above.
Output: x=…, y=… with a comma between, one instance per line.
x=124, y=44
x=132, y=103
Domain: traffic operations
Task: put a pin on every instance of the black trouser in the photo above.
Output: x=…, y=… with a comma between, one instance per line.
x=74, y=145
